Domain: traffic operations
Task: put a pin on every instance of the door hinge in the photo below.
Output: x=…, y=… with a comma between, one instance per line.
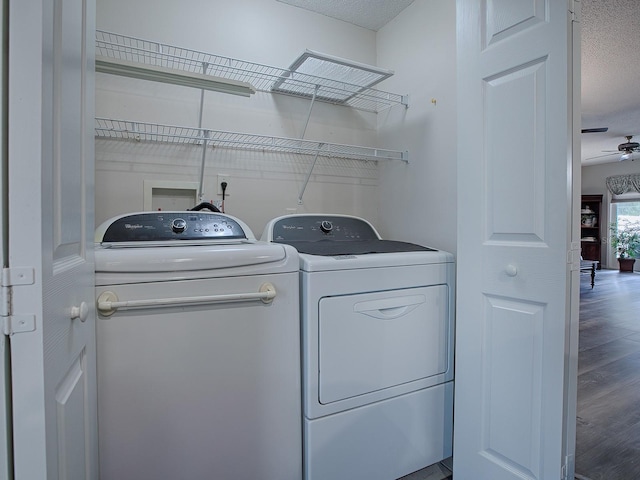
x=575, y=10
x=13, y=277
x=567, y=468
x=573, y=256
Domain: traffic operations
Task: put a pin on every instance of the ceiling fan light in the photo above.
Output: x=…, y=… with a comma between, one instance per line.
x=626, y=156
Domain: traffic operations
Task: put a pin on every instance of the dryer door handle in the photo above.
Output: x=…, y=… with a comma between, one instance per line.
x=389, y=308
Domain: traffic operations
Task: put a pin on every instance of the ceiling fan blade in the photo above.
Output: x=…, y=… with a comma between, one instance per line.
x=595, y=130
x=605, y=155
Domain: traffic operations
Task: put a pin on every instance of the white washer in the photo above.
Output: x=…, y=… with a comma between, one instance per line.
x=377, y=348
x=198, y=345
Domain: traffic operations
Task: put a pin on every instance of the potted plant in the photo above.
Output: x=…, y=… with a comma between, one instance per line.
x=625, y=238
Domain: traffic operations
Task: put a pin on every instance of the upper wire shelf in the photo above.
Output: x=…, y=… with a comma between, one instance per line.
x=141, y=131
x=263, y=77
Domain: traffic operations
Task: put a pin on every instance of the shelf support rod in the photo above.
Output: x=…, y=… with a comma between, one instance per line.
x=205, y=134
x=205, y=139
x=313, y=99
x=306, y=180
x=205, y=66
x=315, y=158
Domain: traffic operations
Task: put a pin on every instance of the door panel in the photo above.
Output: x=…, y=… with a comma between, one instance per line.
x=68, y=130
x=71, y=396
x=50, y=171
x=514, y=234
x=515, y=157
x=512, y=387
x=506, y=18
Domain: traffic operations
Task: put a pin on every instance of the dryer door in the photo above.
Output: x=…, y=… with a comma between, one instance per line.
x=369, y=342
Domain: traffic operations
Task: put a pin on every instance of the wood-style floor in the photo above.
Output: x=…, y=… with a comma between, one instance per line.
x=608, y=423
x=438, y=471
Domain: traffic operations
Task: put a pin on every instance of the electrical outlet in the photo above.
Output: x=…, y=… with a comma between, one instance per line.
x=223, y=177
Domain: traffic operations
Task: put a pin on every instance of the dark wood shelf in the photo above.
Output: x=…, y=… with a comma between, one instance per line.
x=590, y=216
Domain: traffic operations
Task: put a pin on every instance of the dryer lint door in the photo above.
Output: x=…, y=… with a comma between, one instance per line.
x=373, y=341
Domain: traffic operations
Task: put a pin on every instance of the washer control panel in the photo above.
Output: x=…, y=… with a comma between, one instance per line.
x=162, y=226
x=310, y=228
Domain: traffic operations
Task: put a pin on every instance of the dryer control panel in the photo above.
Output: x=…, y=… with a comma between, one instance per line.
x=310, y=228
x=333, y=235
x=164, y=226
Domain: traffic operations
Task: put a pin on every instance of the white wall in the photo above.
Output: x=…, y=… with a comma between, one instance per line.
x=419, y=45
x=419, y=199
x=594, y=176
x=261, y=186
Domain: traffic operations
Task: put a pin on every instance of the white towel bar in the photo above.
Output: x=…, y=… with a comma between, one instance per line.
x=108, y=302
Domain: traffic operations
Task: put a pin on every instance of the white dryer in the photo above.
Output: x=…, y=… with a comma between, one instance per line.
x=198, y=350
x=377, y=348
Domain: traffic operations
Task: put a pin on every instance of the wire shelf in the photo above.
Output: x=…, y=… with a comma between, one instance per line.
x=140, y=131
x=263, y=77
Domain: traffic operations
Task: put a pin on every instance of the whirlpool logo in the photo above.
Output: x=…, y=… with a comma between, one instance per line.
x=133, y=227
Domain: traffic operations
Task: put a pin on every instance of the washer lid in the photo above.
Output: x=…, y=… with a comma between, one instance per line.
x=189, y=258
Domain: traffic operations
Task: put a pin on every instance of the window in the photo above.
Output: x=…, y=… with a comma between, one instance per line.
x=625, y=208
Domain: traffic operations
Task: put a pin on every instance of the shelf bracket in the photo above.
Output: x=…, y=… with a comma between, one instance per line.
x=135, y=130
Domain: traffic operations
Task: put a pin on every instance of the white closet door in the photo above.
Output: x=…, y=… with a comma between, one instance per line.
x=514, y=237
x=50, y=170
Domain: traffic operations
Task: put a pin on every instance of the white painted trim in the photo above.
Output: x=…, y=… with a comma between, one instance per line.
x=149, y=185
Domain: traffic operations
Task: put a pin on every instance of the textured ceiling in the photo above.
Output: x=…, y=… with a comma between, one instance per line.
x=610, y=63
x=371, y=14
x=610, y=75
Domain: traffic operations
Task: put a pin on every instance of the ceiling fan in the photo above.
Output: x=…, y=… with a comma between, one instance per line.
x=625, y=149
x=628, y=148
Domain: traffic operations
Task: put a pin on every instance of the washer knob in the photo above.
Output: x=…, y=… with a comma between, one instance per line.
x=326, y=226
x=178, y=225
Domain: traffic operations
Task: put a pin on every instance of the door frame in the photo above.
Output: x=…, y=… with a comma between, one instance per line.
x=573, y=315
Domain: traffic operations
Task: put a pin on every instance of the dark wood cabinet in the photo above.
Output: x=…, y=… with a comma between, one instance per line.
x=591, y=228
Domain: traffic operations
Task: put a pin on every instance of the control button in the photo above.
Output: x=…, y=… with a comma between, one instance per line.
x=326, y=226
x=178, y=225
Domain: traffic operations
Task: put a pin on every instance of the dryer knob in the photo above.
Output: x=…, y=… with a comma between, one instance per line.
x=326, y=226
x=178, y=225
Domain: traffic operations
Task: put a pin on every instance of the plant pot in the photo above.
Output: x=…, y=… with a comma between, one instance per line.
x=626, y=264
